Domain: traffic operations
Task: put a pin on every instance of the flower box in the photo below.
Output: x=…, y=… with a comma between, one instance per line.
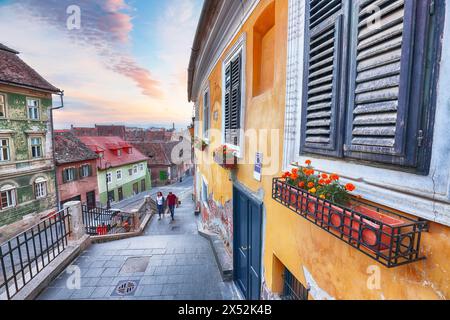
x=388, y=237
x=225, y=157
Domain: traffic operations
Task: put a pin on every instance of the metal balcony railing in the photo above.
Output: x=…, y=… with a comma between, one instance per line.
x=27, y=254
x=390, y=238
x=100, y=221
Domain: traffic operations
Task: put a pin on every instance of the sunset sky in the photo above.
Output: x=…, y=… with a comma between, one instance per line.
x=126, y=65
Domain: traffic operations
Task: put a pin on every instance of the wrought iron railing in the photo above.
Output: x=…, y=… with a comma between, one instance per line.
x=386, y=236
x=27, y=254
x=99, y=221
x=292, y=288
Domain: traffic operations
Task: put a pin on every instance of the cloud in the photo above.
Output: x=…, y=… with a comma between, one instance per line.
x=96, y=66
x=141, y=76
x=106, y=26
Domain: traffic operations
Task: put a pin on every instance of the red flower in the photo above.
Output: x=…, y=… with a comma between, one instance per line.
x=295, y=171
x=324, y=176
x=350, y=187
x=285, y=175
x=334, y=177
x=308, y=162
x=301, y=184
x=311, y=185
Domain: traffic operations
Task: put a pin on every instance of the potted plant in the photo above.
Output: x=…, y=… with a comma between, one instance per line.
x=200, y=144
x=321, y=197
x=225, y=157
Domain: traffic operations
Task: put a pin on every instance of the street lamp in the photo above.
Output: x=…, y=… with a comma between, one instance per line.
x=107, y=166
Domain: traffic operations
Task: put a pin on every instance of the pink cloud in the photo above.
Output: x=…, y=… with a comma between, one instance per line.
x=141, y=76
x=117, y=24
x=114, y=5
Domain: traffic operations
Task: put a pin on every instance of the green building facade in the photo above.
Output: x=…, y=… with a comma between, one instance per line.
x=27, y=172
x=124, y=182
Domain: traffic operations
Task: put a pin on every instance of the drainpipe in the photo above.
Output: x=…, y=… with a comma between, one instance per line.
x=61, y=95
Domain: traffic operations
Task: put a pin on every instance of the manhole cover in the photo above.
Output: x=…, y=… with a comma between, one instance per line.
x=126, y=288
x=135, y=264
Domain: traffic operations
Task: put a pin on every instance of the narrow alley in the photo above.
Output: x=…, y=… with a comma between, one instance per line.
x=171, y=261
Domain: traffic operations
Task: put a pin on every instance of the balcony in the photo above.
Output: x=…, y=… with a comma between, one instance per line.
x=389, y=238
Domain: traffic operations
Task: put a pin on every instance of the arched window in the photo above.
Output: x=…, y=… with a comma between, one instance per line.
x=7, y=196
x=40, y=188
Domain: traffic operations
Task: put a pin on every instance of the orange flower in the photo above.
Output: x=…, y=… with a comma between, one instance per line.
x=313, y=190
x=286, y=174
x=322, y=196
x=295, y=171
x=301, y=184
x=294, y=176
x=324, y=176
x=311, y=184
x=308, y=162
x=322, y=182
x=328, y=181
x=350, y=187
x=309, y=172
x=334, y=177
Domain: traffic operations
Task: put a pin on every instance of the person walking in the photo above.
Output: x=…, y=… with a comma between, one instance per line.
x=160, y=204
x=171, y=202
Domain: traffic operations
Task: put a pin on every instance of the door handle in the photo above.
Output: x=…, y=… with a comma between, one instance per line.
x=244, y=248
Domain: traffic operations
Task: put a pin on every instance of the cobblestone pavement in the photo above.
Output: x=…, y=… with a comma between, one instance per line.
x=171, y=261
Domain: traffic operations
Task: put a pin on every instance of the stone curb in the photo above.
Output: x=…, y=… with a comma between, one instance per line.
x=223, y=259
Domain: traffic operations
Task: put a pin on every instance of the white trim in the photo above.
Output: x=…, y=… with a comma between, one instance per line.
x=205, y=133
x=427, y=197
x=240, y=47
x=7, y=187
x=204, y=183
x=226, y=27
x=117, y=175
x=39, y=113
x=40, y=180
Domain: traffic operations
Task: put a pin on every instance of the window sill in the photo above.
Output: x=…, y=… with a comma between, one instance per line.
x=387, y=187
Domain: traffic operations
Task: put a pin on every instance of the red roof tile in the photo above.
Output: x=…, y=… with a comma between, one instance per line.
x=15, y=71
x=104, y=144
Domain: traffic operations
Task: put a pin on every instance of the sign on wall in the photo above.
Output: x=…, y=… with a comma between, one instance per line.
x=257, y=173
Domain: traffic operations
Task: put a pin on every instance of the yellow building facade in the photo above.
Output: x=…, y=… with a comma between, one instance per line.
x=246, y=77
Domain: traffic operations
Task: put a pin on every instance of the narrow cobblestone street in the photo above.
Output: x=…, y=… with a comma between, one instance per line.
x=169, y=262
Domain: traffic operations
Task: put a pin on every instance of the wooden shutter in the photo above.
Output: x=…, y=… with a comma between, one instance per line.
x=382, y=119
x=323, y=101
x=227, y=115
x=233, y=78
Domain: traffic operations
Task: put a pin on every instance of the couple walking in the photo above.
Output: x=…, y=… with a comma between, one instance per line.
x=171, y=202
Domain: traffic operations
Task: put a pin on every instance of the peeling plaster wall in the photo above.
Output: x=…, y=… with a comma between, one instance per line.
x=22, y=170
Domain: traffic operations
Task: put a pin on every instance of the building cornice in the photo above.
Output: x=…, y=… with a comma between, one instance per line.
x=230, y=18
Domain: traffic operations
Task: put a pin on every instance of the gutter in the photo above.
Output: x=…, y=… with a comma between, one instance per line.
x=61, y=95
x=201, y=31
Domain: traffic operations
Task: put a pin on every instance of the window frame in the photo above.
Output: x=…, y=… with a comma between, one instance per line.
x=204, y=187
x=33, y=146
x=83, y=167
x=40, y=193
x=38, y=109
x=11, y=196
x=240, y=47
x=383, y=184
x=8, y=149
x=109, y=177
x=119, y=173
x=4, y=106
x=72, y=170
x=135, y=169
x=206, y=112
